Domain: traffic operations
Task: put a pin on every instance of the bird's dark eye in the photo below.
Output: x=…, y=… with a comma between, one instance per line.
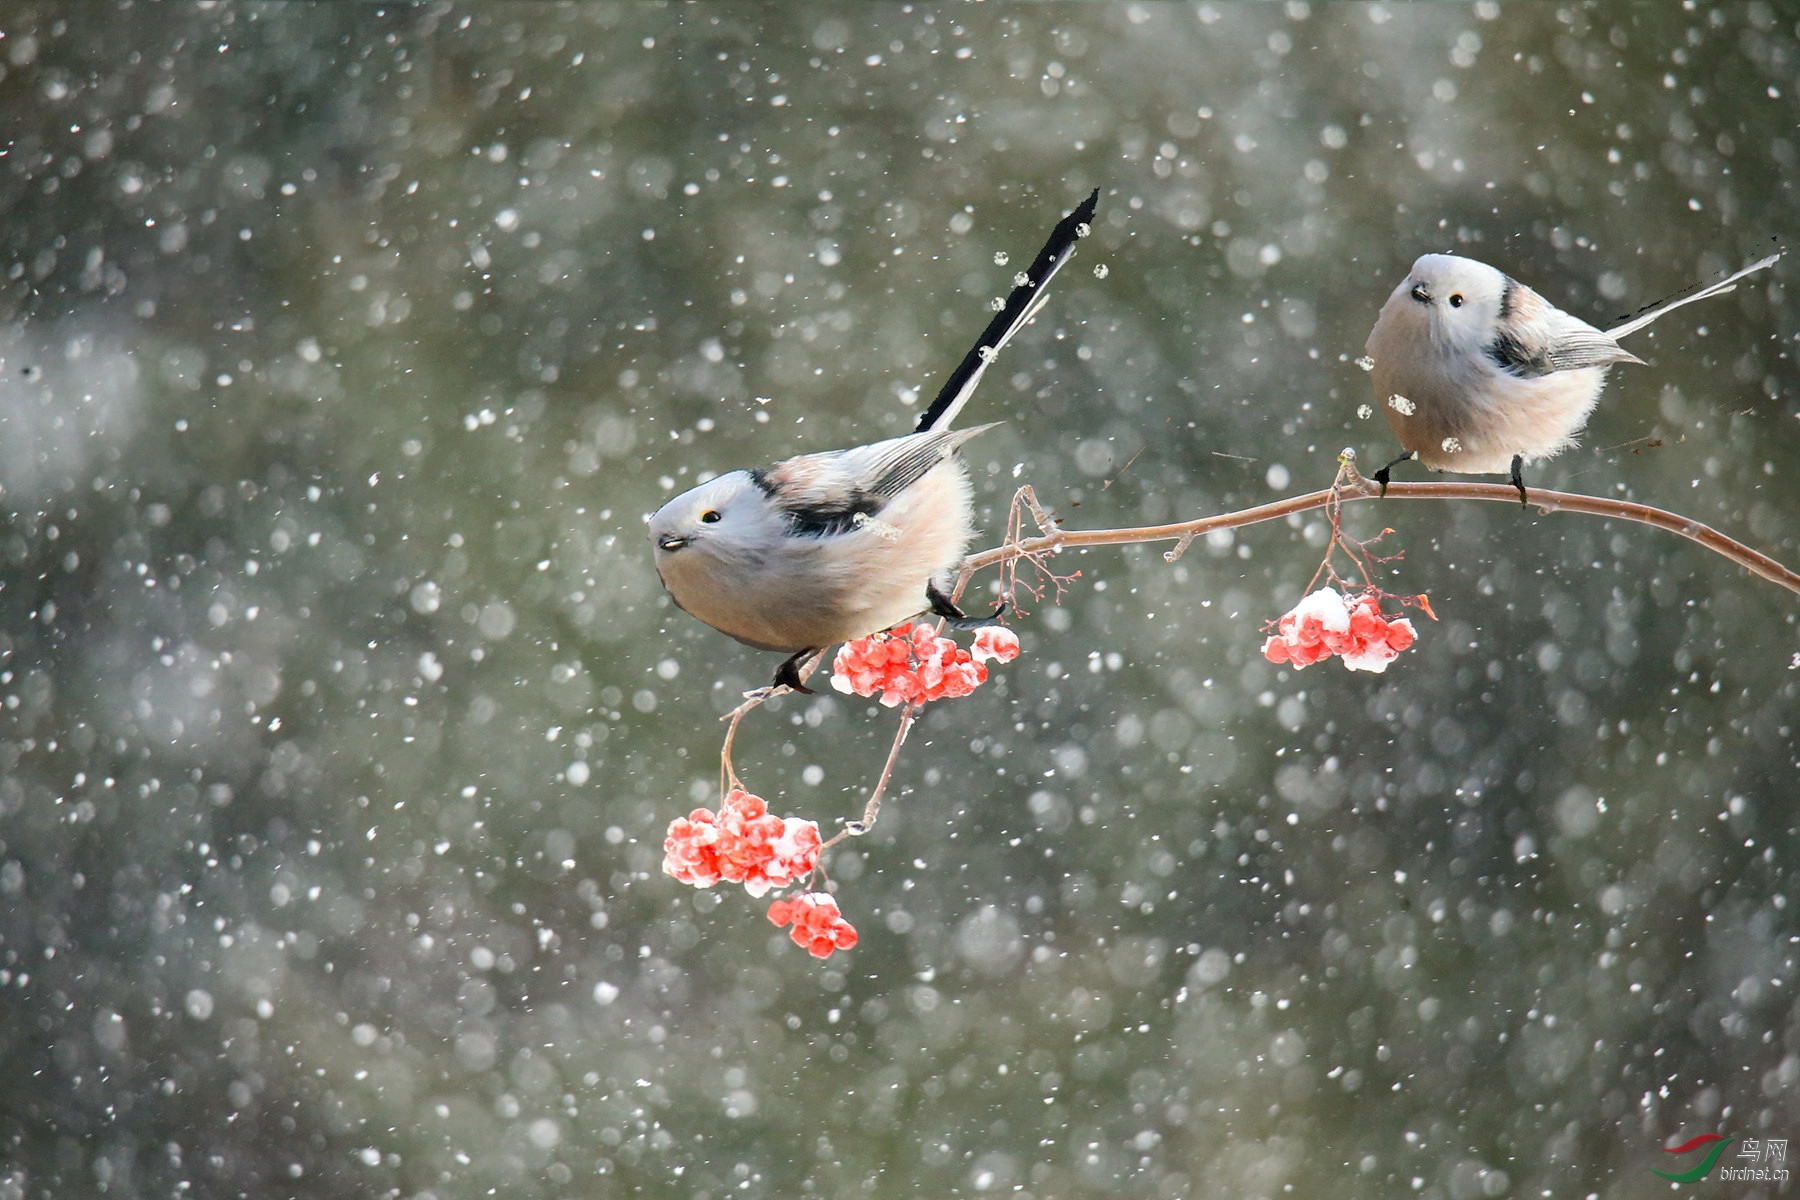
x=710, y=516
x=1455, y=299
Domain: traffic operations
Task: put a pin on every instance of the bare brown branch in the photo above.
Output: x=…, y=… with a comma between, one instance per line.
x=1352, y=486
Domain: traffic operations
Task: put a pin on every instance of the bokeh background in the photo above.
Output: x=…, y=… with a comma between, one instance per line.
x=345, y=348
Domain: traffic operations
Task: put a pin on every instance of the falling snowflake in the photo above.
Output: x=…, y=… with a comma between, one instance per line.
x=875, y=525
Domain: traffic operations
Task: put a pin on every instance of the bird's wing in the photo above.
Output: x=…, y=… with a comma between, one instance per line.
x=835, y=492
x=1556, y=342
x=1577, y=344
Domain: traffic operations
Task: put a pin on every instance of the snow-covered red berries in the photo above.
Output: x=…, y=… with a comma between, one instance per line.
x=742, y=844
x=1325, y=623
x=818, y=925
x=912, y=664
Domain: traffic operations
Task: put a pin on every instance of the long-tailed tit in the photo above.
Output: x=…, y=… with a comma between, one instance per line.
x=1478, y=374
x=824, y=548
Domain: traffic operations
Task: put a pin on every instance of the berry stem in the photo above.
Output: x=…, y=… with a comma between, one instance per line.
x=872, y=810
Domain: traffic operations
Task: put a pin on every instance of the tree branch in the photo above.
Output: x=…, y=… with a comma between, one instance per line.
x=1352, y=486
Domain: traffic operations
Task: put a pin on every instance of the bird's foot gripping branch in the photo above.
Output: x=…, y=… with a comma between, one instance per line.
x=907, y=667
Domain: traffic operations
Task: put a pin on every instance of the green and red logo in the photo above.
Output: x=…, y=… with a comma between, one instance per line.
x=1717, y=1141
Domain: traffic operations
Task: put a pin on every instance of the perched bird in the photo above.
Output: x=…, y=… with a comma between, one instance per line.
x=1478, y=374
x=824, y=548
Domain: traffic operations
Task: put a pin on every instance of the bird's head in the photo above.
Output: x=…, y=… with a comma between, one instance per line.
x=1462, y=302
x=730, y=520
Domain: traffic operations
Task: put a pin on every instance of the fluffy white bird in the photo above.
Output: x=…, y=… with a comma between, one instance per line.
x=1478, y=374
x=824, y=548
x=821, y=548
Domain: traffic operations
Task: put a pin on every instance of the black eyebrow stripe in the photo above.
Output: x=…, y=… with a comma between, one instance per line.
x=1509, y=290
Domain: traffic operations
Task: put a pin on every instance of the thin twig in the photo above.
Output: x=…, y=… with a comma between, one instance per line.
x=872, y=810
x=753, y=699
x=1024, y=500
x=1356, y=487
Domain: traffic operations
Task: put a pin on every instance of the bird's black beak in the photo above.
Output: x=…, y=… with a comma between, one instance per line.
x=672, y=542
x=1420, y=294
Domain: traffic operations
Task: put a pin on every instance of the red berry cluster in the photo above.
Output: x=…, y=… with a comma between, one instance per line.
x=1325, y=623
x=819, y=927
x=912, y=664
x=743, y=844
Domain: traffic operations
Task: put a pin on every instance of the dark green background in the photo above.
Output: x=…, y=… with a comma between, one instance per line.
x=344, y=349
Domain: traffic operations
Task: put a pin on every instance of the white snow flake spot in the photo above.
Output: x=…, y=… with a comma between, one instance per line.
x=1402, y=405
x=880, y=528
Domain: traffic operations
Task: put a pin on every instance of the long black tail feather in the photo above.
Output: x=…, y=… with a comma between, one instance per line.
x=1020, y=306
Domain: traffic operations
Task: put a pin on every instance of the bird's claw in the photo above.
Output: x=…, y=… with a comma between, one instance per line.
x=1517, y=481
x=1382, y=476
x=787, y=675
x=945, y=608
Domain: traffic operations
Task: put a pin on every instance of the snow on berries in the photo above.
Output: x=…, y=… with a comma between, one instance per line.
x=1326, y=623
x=743, y=844
x=818, y=926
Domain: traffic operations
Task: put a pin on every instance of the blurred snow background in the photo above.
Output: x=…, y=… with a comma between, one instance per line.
x=344, y=349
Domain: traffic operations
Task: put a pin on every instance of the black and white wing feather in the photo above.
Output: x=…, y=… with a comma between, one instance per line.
x=1551, y=346
x=825, y=494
